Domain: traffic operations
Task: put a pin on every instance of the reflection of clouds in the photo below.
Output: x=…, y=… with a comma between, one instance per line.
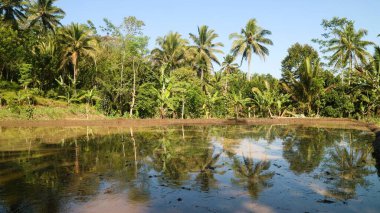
x=323, y=191
x=256, y=150
x=256, y=207
x=106, y=202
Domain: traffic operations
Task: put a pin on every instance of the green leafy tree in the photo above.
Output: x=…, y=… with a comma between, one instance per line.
x=252, y=39
x=295, y=58
x=11, y=53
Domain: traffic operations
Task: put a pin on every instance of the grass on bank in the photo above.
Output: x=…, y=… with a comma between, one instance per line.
x=16, y=106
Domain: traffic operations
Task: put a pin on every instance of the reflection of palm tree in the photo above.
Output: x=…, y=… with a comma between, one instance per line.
x=350, y=166
x=207, y=167
x=253, y=175
x=305, y=150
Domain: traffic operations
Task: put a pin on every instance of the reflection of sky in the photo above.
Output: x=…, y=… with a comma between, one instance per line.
x=258, y=150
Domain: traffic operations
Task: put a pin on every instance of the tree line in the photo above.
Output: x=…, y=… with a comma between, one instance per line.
x=111, y=69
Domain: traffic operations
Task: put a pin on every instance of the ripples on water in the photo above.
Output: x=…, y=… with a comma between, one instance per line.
x=182, y=169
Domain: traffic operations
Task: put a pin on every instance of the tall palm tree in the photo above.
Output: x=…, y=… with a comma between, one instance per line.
x=205, y=49
x=349, y=48
x=252, y=39
x=12, y=11
x=171, y=51
x=77, y=41
x=45, y=14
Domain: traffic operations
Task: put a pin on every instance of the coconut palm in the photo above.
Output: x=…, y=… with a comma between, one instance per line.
x=252, y=39
x=205, y=49
x=171, y=51
x=228, y=65
x=12, y=11
x=45, y=14
x=349, y=48
x=77, y=41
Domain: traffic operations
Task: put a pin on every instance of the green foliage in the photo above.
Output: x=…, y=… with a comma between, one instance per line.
x=116, y=74
x=297, y=54
x=11, y=53
x=25, y=75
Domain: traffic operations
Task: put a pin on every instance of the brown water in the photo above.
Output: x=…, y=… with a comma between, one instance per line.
x=188, y=169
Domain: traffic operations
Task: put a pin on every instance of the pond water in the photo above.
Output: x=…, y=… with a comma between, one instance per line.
x=188, y=169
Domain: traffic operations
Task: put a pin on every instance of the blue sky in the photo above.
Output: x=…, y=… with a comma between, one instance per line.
x=289, y=20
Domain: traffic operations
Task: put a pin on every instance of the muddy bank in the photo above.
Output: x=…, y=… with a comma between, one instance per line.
x=318, y=122
x=376, y=146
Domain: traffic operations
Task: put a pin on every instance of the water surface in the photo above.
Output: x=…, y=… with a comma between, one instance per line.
x=188, y=169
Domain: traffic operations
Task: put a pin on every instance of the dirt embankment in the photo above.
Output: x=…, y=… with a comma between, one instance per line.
x=318, y=122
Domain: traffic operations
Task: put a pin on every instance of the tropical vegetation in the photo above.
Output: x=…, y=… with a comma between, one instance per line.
x=111, y=70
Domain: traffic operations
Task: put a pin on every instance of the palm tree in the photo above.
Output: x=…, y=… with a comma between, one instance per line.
x=306, y=89
x=45, y=14
x=171, y=51
x=77, y=41
x=12, y=11
x=228, y=67
x=349, y=47
x=252, y=39
x=205, y=49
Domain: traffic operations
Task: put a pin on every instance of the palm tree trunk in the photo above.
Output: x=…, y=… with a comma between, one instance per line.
x=351, y=69
x=249, y=71
x=74, y=61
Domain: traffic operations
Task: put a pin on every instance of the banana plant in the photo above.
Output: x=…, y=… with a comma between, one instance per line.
x=238, y=102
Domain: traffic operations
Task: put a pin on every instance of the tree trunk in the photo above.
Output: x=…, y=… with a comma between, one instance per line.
x=133, y=89
x=183, y=108
x=236, y=113
x=249, y=71
x=74, y=61
x=351, y=69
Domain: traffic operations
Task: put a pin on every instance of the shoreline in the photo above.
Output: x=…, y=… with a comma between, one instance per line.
x=309, y=122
